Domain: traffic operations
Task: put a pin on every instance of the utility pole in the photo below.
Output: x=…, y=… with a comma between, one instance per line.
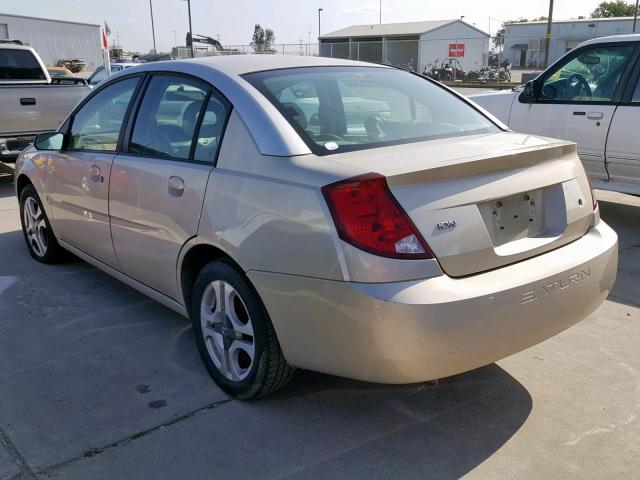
x=380, y=12
x=547, y=40
x=153, y=30
x=193, y=55
x=635, y=16
x=319, y=31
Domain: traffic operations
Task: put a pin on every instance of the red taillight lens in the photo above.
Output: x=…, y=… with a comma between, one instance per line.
x=367, y=216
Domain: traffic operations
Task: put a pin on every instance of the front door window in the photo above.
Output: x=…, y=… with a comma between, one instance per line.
x=591, y=76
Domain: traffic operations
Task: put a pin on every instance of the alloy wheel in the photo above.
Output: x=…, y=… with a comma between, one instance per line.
x=35, y=226
x=227, y=330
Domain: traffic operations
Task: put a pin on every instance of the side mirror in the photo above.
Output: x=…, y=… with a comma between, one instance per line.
x=530, y=92
x=49, y=141
x=530, y=89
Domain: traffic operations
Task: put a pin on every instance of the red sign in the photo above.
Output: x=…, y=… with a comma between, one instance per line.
x=456, y=49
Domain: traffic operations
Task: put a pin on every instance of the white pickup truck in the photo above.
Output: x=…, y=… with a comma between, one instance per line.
x=590, y=96
x=30, y=101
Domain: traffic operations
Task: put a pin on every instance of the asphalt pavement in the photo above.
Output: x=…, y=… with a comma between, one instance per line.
x=99, y=382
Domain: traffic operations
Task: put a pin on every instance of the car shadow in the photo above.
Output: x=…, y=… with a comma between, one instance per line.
x=430, y=430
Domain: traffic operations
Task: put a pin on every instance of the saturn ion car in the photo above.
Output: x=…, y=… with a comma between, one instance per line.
x=321, y=214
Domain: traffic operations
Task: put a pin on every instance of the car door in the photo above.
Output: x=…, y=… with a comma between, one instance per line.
x=623, y=143
x=158, y=184
x=577, y=100
x=79, y=175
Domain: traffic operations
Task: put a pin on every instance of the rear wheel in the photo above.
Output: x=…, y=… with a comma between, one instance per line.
x=234, y=334
x=38, y=235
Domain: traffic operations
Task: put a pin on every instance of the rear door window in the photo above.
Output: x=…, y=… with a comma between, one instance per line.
x=168, y=117
x=16, y=64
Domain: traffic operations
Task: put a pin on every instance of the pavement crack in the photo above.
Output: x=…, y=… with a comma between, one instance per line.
x=92, y=452
x=25, y=471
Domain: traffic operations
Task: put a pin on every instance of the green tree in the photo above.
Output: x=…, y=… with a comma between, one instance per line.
x=618, y=8
x=498, y=38
x=262, y=40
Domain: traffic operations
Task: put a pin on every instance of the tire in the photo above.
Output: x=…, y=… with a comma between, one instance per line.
x=37, y=231
x=226, y=334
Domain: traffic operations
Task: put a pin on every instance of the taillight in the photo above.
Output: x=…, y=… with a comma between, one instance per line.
x=368, y=216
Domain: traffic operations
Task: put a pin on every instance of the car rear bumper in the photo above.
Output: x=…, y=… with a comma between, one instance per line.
x=426, y=329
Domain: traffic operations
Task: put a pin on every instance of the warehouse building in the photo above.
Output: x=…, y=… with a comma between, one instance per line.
x=524, y=43
x=55, y=39
x=413, y=45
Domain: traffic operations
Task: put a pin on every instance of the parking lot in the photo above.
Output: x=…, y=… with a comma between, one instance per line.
x=99, y=382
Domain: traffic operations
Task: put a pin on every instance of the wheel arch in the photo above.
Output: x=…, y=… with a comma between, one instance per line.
x=22, y=181
x=193, y=258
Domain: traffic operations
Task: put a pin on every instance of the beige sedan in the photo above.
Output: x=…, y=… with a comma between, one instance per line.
x=322, y=214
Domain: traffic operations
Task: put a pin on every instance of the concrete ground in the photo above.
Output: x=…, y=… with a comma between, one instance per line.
x=99, y=382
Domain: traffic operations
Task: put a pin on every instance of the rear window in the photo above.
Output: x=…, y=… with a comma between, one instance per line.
x=19, y=65
x=338, y=109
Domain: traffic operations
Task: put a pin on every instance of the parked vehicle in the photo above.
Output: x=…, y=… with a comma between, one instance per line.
x=32, y=102
x=75, y=65
x=449, y=70
x=101, y=72
x=414, y=244
x=591, y=96
x=59, y=72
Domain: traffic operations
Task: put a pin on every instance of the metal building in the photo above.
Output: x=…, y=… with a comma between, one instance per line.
x=413, y=45
x=524, y=43
x=55, y=39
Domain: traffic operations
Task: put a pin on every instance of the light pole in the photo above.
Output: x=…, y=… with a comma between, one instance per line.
x=193, y=55
x=380, y=12
x=635, y=16
x=319, y=31
x=153, y=30
x=175, y=39
x=309, y=43
x=547, y=39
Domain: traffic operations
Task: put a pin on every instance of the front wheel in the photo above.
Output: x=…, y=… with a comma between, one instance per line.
x=38, y=235
x=234, y=334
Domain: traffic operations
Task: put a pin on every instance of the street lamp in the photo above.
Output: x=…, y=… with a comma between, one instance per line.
x=190, y=30
x=319, y=10
x=153, y=30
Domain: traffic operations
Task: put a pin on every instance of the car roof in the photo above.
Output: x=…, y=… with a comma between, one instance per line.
x=14, y=46
x=242, y=64
x=629, y=37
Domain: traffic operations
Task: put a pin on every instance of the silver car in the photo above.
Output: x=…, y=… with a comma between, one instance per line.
x=399, y=236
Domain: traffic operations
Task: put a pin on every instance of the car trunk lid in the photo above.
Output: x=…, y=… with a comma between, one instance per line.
x=486, y=201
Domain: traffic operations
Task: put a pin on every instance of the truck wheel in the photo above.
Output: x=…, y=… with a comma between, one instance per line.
x=234, y=334
x=38, y=235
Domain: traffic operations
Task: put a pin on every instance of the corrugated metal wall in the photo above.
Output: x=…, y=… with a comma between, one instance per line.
x=54, y=40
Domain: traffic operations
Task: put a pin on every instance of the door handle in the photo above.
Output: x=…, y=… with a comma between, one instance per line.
x=595, y=115
x=175, y=186
x=95, y=174
x=27, y=101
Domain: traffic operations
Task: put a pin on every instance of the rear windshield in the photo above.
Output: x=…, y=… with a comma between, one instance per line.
x=19, y=65
x=338, y=109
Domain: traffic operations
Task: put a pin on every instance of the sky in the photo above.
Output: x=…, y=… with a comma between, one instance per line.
x=291, y=20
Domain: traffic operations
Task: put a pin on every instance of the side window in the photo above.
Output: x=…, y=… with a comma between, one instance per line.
x=592, y=76
x=96, y=126
x=636, y=93
x=167, y=118
x=211, y=130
